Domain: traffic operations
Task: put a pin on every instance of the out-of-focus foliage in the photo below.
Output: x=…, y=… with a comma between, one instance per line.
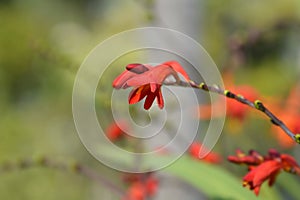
x=42, y=45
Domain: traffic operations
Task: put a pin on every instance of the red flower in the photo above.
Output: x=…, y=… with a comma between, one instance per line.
x=289, y=164
x=132, y=70
x=288, y=111
x=292, y=120
x=147, y=81
x=236, y=109
x=136, y=192
x=155, y=75
x=141, y=186
x=253, y=158
x=262, y=168
x=178, y=68
x=267, y=170
x=151, y=185
x=114, y=132
x=139, y=93
x=211, y=157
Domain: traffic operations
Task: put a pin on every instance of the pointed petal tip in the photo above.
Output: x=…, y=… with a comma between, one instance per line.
x=178, y=68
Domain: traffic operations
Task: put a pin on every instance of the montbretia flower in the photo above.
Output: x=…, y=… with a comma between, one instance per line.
x=268, y=170
x=254, y=158
x=147, y=81
x=136, y=192
x=237, y=110
x=291, y=120
x=131, y=71
x=211, y=157
x=263, y=168
x=139, y=93
x=234, y=109
x=287, y=110
x=115, y=132
x=141, y=186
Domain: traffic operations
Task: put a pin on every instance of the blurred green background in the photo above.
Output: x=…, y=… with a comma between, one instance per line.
x=42, y=44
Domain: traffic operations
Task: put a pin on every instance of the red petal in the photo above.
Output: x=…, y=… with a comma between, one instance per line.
x=132, y=70
x=261, y=173
x=178, y=68
x=136, y=192
x=254, y=158
x=288, y=162
x=233, y=159
x=153, y=87
x=149, y=100
x=256, y=190
x=273, y=178
x=138, y=94
x=151, y=186
x=194, y=149
x=155, y=75
x=113, y=132
x=265, y=170
x=211, y=157
x=120, y=81
x=160, y=100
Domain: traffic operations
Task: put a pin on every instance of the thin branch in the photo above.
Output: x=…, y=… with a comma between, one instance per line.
x=75, y=167
x=258, y=105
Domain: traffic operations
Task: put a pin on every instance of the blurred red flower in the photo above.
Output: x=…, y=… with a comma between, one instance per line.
x=254, y=158
x=211, y=157
x=114, y=132
x=141, y=186
x=292, y=121
x=136, y=192
x=289, y=113
x=147, y=81
x=236, y=109
x=262, y=168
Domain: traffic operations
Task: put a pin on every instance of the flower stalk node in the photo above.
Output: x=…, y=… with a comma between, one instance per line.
x=203, y=86
x=259, y=105
x=297, y=138
x=229, y=94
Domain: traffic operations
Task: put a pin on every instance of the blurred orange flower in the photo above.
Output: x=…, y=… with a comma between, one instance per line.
x=141, y=186
x=290, y=115
x=114, y=132
x=211, y=157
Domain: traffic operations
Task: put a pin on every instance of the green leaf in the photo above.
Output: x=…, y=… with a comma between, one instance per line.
x=214, y=181
x=288, y=183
